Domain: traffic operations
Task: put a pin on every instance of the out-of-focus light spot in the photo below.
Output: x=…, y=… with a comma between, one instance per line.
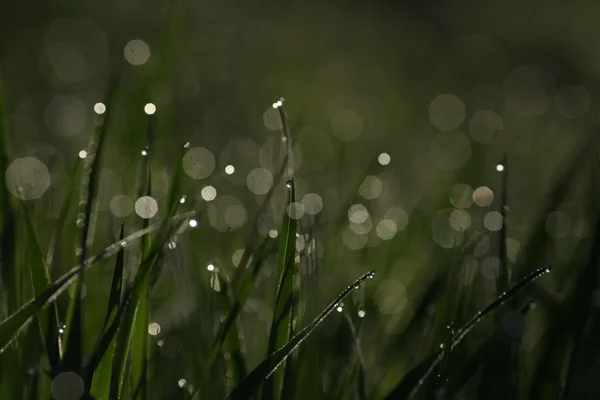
x=236, y=258
x=210, y=267
x=361, y=313
x=386, y=229
x=362, y=228
x=181, y=383
x=230, y=169
x=371, y=188
x=398, y=216
x=273, y=233
x=490, y=267
x=235, y=216
x=572, y=102
x=121, y=206
x=469, y=269
x=146, y=207
x=193, y=223
x=137, y=52
x=312, y=203
x=358, y=214
x=499, y=167
x=27, y=178
x=384, y=159
x=99, y=108
x=558, y=225
x=82, y=154
x=446, y=112
x=272, y=118
x=160, y=343
x=215, y=284
x=144, y=153
x=354, y=240
x=340, y=308
x=182, y=199
x=391, y=297
x=450, y=151
x=581, y=229
x=154, y=328
x=513, y=324
x=66, y=116
x=280, y=102
x=295, y=210
x=67, y=386
x=483, y=196
x=259, y=181
x=149, y=108
x=512, y=249
x=493, y=221
x=528, y=90
x=484, y=126
x=209, y=193
x=441, y=231
x=461, y=196
x=347, y=125
x=198, y=163
x=459, y=220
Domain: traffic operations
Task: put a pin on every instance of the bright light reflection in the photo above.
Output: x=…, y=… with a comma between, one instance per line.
x=210, y=267
x=82, y=154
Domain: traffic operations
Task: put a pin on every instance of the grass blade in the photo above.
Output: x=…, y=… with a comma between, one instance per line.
x=98, y=370
x=265, y=369
x=73, y=359
x=462, y=332
x=40, y=279
x=281, y=326
x=10, y=327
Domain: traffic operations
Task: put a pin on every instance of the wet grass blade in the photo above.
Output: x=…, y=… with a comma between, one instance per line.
x=265, y=369
x=11, y=326
x=73, y=359
x=40, y=279
x=419, y=375
x=281, y=326
x=361, y=387
x=98, y=370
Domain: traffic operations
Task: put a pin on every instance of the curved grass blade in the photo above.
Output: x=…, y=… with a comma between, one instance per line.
x=281, y=326
x=98, y=370
x=265, y=369
x=10, y=327
x=462, y=332
x=73, y=359
x=40, y=279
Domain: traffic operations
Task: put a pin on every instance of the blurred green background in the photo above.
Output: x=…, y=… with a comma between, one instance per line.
x=400, y=112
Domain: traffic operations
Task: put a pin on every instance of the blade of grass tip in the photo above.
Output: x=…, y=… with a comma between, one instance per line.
x=265, y=369
x=361, y=388
x=281, y=326
x=462, y=332
x=73, y=359
x=475, y=360
x=98, y=370
x=15, y=322
x=40, y=279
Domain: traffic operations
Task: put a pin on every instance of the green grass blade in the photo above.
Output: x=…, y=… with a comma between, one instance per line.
x=10, y=327
x=361, y=387
x=480, y=315
x=73, y=359
x=265, y=369
x=40, y=279
x=281, y=326
x=98, y=370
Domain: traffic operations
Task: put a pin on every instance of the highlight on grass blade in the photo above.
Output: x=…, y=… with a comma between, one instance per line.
x=462, y=332
x=265, y=369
